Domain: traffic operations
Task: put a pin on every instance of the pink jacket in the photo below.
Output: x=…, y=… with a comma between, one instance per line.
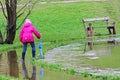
x=26, y=33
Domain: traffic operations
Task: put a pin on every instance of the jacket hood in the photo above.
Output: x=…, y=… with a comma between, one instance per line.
x=27, y=23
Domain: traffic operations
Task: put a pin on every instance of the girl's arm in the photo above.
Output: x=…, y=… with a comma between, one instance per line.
x=36, y=32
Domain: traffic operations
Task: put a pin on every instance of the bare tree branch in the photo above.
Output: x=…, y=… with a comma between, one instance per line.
x=11, y=14
x=23, y=7
x=34, y=4
x=20, y=14
x=23, y=20
x=3, y=10
x=27, y=14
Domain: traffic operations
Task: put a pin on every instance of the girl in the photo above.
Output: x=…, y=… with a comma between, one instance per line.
x=26, y=36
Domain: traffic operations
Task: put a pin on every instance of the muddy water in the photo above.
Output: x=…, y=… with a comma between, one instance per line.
x=7, y=64
x=99, y=57
x=11, y=65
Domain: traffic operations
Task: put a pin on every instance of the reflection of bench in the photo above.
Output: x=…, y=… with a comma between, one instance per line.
x=89, y=28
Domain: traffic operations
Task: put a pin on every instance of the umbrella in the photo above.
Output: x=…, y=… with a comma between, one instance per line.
x=40, y=47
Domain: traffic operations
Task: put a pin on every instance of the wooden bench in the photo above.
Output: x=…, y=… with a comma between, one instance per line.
x=89, y=28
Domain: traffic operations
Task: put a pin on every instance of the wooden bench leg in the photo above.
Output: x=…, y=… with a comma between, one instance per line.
x=109, y=29
x=91, y=45
x=91, y=29
x=114, y=28
x=88, y=44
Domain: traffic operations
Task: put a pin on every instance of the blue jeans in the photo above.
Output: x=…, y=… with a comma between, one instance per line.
x=25, y=49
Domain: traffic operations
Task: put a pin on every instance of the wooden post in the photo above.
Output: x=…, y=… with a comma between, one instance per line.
x=88, y=44
x=109, y=29
x=91, y=45
x=85, y=27
x=108, y=26
x=114, y=28
x=108, y=23
x=91, y=29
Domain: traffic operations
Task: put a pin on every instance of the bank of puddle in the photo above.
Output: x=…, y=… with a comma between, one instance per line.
x=97, y=57
x=11, y=65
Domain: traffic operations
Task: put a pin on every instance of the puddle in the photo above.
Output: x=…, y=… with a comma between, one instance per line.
x=99, y=57
x=11, y=65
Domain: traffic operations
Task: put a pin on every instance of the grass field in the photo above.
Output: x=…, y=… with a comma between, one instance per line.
x=61, y=23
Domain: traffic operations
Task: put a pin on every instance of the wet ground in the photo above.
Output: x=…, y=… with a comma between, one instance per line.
x=99, y=56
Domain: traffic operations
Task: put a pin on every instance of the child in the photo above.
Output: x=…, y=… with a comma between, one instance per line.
x=26, y=36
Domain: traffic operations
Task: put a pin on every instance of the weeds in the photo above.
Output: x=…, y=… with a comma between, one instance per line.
x=3, y=77
x=73, y=71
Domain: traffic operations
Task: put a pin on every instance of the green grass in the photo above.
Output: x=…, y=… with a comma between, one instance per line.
x=3, y=77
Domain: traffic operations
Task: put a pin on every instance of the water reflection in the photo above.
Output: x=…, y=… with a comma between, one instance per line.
x=90, y=44
x=25, y=71
x=0, y=58
x=112, y=42
x=13, y=64
x=41, y=74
